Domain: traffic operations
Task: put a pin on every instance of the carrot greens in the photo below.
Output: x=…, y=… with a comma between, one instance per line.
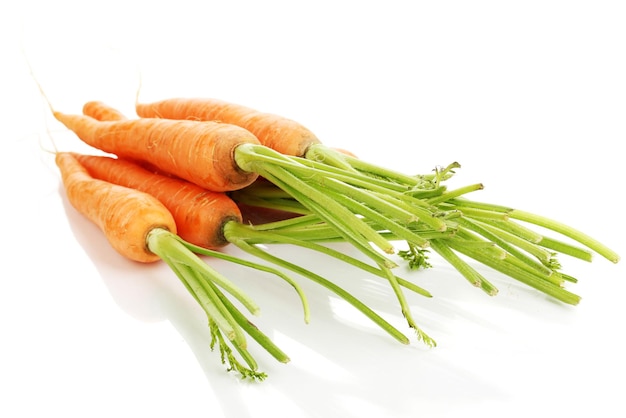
x=493, y=235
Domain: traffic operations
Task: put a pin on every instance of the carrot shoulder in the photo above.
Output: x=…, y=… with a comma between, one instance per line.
x=125, y=216
x=202, y=153
x=279, y=133
x=199, y=214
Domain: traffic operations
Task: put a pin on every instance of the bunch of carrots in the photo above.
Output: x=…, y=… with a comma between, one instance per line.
x=187, y=177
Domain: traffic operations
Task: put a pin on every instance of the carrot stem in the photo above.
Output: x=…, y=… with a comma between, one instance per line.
x=377, y=319
x=223, y=316
x=320, y=153
x=531, y=279
x=505, y=244
x=227, y=355
x=171, y=247
x=254, y=237
x=567, y=231
x=462, y=267
x=550, y=224
x=257, y=266
x=351, y=227
x=252, y=330
x=566, y=248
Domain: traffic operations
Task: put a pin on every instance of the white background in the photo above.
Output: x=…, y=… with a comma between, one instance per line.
x=530, y=97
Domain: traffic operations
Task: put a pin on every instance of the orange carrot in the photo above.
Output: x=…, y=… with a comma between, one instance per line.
x=199, y=214
x=198, y=152
x=141, y=228
x=191, y=207
x=126, y=216
x=279, y=133
x=355, y=206
x=101, y=111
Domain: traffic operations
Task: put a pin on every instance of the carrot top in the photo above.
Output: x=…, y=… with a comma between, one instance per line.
x=496, y=236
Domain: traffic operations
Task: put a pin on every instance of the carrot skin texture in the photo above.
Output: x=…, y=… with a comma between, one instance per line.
x=101, y=111
x=200, y=152
x=281, y=134
x=199, y=213
x=124, y=215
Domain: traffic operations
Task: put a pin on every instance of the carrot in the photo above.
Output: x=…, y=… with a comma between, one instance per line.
x=199, y=213
x=126, y=216
x=189, y=150
x=281, y=134
x=209, y=220
x=198, y=152
x=363, y=210
x=222, y=157
x=141, y=228
x=101, y=111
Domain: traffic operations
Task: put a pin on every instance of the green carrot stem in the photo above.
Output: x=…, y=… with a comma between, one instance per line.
x=505, y=243
x=295, y=222
x=286, y=205
x=472, y=276
x=470, y=212
x=172, y=247
x=529, y=278
x=252, y=236
x=354, y=173
x=509, y=225
x=503, y=254
x=568, y=231
x=329, y=156
x=372, y=169
x=426, y=214
x=540, y=253
x=256, y=266
x=167, y=246
x=549, y=224
x=263, y=340
x=192, y=284
x=392, y=279
x=451, y=194
x=228, y=357
x=566, y=248
x=314, y=197
x=395, y=227
x=377, y=319
x=237, y=336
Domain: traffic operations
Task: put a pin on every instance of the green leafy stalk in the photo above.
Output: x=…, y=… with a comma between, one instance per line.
x=227, y=356
x=532, y=279
x=342, y=293
x=217, y=254
x=351, y=227
x=472, y=276
x=567, y=231
x=204, y=284
x=251, y=329
x=547, y=223
x=235, y=231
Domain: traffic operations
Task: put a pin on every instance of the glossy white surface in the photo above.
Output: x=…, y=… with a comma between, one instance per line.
x=528, y=98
